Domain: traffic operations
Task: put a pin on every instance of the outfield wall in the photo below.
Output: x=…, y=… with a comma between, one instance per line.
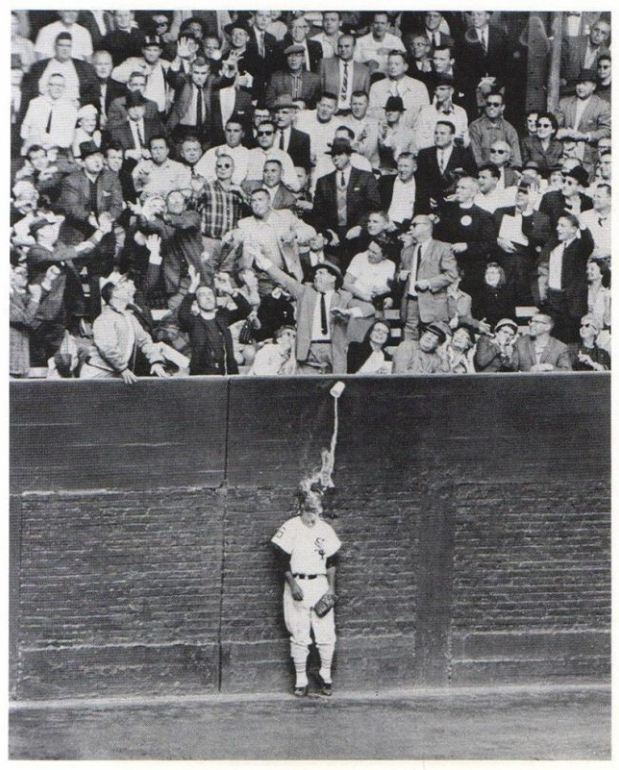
x=474, y=511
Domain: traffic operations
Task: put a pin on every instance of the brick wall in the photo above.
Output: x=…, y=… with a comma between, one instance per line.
x=476, y=532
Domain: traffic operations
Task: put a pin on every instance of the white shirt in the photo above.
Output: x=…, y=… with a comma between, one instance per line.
x=317, y=335
x=555, y=266
x=371, y=275
x=375, y=364
x=67, y=70
x=443, y=154
x=62, y=129
x=46, y=40
x=206, y=165
x=309, y=547
x=413, y=92
x=137, y=131
x=600, y=232
x=581, y=106
x=429, y=116
x=329, y=48
x=497, y=199
x=162, y=179
x=257, y=157
x=321, y=134
x=227, y=99
x=403, y=200
x=324, y=165
x=368, y=49
x=156, y=86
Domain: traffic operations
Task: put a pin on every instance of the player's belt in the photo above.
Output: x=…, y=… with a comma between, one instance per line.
x=302, y=576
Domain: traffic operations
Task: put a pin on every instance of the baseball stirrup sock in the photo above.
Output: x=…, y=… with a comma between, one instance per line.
x=299, y=658
x=326, y=656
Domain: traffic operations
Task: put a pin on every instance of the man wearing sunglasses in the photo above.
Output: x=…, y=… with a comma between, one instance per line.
x=266, y=150
x=492, y=127
x=538, y=351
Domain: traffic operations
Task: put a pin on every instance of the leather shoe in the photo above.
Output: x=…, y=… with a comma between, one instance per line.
x=300, y=692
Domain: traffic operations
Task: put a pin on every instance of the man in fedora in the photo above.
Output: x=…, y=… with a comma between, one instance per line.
x=421, y=356
x=294, y=80
x=346, y=196
x=394, y=136
x=154, y=68
x=323, y=311
x=412, y=92
x=135, y=129
x=287, y=138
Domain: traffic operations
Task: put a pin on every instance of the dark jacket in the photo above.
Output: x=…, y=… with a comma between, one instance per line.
x=203, y=358
x=573, y=273
x=88, y=83
x=553, y=205
x=431, y=183
x=362, y=196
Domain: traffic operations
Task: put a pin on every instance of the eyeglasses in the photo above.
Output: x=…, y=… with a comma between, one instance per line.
x=265, y=133
x=499, y=152
x=494, y=104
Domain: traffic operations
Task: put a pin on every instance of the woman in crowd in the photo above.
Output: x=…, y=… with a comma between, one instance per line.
x=86, y=130
x=544, y=148
x=459, y=351
x=494, y=354
x=369, y=356
x=497, y=299
x=598, y=298
x=589, y=357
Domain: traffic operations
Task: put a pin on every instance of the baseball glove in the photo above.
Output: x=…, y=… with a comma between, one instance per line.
x=324, y=604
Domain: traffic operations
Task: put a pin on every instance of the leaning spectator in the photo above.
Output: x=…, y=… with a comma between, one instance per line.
x=117, y=335
x=277, y=357
x=24, y=304
x=459, y=351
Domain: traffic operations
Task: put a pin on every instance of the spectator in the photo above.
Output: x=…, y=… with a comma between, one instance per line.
x=439, y=166
x=444, y=65
x=588, y=356
x=82, y=42
x=342, y=76
x=364, y=127
x=495, y=353
x=485, y=53
x=422, y=356
x=330, y=35
x=583, y=52
x=398, y=192
x=490, y=197
x=597, y=221
x=320, y=124
x=413, y=93
x=86, y=131
x=233, y=148
x=543, y=147
x=373, y=49
x=23, y=307
x=79, y=77
x=459, y=351
x=563, y=277
x=599, y=297
x=497, y=298
x=45, y=173
x=208, y=325
x=135, y=130
x=253, y=69
x=293, y=79
x=571, y=199
x=427, y=268
x=538, y=351
x=500, y=155
x=394, y=137
x=584, y=118
x=117, y=335
x=159, y=175
x=277, y=357
x=419, y=50
x=50, y=119
x=369, y=278
x=604, y=73
x=117, y=111
x=109, y=89
x=522, y=232
x=289, y=139
x=125, y=40
x=491, y=127
x=20, y=45
x=266, y=150
x=370, y=356
x=471, y=233
x=298, y=36
x=154, y=68
x=442, y=108
x=281, y=197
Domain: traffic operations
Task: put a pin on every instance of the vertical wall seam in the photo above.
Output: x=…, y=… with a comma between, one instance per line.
x=224, y=494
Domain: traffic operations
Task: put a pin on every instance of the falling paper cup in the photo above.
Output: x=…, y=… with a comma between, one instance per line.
x=337, y=390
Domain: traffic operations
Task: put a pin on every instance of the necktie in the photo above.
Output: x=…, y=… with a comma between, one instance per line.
x=48, y=127
x=281, y=139
x=441, y=161
x=344, y=83
x=261, y=44
x=342, y=180
x=418, y=262
x=140, y=136
x=484, y=41
x=199, y=109
x=324, y=328
x=394, y=88
x=296, y=86
x=601, y=221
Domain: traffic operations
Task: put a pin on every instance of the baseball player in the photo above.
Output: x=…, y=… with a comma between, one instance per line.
x=308, y=549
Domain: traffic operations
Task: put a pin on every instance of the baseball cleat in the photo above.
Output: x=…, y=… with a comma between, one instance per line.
x=300, y=692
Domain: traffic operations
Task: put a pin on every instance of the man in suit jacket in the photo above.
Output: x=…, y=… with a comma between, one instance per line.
x=584, y=118
x=83, y=86
x=437, y=167
x=321, y=333
x=582, y=52
x=227, y=102
x=538, y=351
x=427, y=268
x=346, y=196
x=135, y=131
x=519, y=258
x=484, y=50
x=296, y=143
x=294, y=80
x=570, y=199
x=117, y=111
x=109, y=89
x=253, y=68
x=563, y=277
x=192, y=111
x=298, y=35
x=342, y=76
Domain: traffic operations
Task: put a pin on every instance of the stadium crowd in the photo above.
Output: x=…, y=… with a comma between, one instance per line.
x=286, y=193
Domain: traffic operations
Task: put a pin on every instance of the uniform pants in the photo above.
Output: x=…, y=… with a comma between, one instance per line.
x=301, y=619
